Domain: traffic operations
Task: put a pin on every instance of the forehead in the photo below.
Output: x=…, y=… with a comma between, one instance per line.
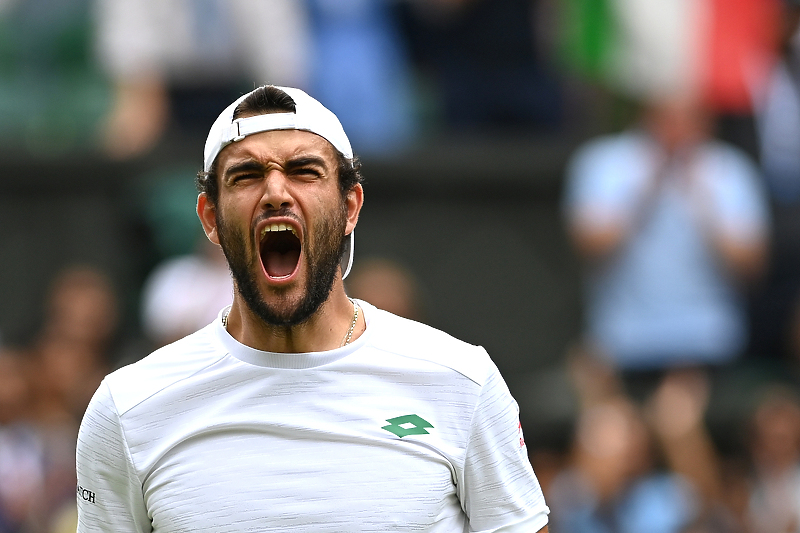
x=277, y=146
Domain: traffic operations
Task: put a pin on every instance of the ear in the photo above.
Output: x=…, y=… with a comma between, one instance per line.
x=207, y=212
x=354, y=201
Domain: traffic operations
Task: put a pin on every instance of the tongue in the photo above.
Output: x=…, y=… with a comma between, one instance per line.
x=280, y=264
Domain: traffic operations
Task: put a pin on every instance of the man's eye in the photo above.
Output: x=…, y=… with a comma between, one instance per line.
x=244, y=177
x=307, y=172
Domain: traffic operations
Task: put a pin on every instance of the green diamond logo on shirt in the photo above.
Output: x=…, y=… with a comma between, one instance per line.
x=407, y=425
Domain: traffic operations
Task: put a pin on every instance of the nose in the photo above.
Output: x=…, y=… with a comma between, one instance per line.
x=276, y=191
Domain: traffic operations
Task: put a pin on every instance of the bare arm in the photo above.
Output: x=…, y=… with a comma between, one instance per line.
x=676, y=413
x=745, y=261
x=595, y=243
x=137, y=118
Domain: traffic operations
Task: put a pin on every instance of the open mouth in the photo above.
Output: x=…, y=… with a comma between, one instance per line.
x=280, y=250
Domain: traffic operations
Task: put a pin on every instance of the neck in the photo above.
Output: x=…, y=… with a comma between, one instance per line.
x=324, y=330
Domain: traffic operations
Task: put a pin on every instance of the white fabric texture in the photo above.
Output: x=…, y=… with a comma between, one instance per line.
x=208, y=434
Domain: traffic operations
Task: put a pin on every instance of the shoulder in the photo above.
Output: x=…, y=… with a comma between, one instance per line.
x=613, y=147
x=134, y=383
x=417, y=341
x=733, y=175
x=609, y=163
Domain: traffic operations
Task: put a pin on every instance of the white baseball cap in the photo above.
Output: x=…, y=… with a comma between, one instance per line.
x=309, y=115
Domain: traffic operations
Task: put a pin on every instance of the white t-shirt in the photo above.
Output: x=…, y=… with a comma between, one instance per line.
x=405, y=429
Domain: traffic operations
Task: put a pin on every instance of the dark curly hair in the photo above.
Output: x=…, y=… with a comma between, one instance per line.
x=270, y=99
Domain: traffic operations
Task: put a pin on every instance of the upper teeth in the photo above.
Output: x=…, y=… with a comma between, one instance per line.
x=278, y=227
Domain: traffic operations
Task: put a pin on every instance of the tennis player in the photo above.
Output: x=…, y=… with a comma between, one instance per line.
x=298, y=408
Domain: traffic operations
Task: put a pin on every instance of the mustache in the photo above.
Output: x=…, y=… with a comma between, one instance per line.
x=283, y=212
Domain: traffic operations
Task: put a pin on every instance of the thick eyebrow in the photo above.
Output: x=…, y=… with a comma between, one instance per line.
x=245, y=166
x=304, y=161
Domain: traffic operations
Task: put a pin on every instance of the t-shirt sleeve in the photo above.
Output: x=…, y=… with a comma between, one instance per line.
x=739, y=199
x=606, y=179
x=109, y=492
x=500, y=491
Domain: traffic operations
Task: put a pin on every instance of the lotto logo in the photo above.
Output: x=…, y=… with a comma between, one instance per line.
x=407, y=425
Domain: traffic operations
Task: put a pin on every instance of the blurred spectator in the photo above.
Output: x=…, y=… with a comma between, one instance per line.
x=674, y=226
x=22, y=470
x=174, y=63
x=778, y=119
x=185, y=293
x=779, y=114
x=612, y=485
x=676, y=413
x=71, y=353
x=775, y=447
x=386, y=284
x=485, y=63
x=360, y=70
x=672, y=223
x=64, y=366
x=81, y=308
x=636, y=464
x=43, y=393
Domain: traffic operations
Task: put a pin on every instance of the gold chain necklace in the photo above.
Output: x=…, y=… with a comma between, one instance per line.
x=352, y=325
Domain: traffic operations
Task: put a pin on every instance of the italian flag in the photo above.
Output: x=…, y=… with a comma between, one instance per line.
x=720, y=50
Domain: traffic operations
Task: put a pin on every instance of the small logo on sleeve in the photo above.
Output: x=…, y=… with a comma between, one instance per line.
x=85, y=494
x=403, y=426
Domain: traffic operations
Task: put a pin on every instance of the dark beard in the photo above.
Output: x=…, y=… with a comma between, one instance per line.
x=323, y=259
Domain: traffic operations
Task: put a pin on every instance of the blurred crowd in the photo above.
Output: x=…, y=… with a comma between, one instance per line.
x=682, y=203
